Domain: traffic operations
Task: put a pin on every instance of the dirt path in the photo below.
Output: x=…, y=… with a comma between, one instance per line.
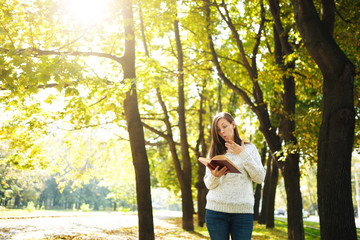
x=98, y=226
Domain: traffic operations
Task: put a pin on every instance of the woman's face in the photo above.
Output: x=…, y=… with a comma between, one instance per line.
x=226, y=129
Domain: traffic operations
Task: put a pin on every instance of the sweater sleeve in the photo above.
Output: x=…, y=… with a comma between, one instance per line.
x=252, y=164
x=210, y=180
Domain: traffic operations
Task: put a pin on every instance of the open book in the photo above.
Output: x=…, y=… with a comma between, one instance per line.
x=221, y=161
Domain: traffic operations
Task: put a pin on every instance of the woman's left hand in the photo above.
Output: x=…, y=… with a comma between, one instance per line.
x=233, y=147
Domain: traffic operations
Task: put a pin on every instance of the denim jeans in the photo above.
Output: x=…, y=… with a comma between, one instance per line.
x=221, y=225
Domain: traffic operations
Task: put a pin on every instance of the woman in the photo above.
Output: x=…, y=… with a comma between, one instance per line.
x=230, y=200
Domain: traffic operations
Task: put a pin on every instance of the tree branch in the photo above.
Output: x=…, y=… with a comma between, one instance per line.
x=216, y=62
x=236, y=36
x=38, y=52
x=161, y=134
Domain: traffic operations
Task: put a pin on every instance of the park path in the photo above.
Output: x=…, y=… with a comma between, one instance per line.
x=96, y=225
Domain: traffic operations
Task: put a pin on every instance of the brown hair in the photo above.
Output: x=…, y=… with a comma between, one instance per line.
x=217, y=143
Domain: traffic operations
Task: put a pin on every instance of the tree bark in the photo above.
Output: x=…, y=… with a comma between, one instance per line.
x=273, y=181
x=187, y=201
x=136, y=132
x=266, y=189
x=258, y=189
x=200, y=185
x=338, y=121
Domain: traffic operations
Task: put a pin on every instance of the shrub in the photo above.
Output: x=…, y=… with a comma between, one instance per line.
x=30, y=207
x=85, y=207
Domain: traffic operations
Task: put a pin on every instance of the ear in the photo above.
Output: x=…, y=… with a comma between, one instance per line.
x=233, y=123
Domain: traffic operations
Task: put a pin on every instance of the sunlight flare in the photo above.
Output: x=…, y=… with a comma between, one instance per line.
x=86, y=12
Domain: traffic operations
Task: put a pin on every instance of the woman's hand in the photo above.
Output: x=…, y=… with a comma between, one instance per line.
x=233, y=147
x=218, y=172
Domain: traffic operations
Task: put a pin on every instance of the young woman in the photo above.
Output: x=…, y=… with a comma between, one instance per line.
x=230, y=200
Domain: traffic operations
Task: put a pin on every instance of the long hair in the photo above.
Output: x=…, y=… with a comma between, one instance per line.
x=217, y=143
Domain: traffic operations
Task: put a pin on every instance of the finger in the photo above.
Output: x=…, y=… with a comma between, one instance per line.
x=215, y=170
x=222, y=172
x=223, y=169
x=230, y=145
x=226, y=171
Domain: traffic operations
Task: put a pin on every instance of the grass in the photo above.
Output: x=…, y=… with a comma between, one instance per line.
x=169, y=229
x=311, y=229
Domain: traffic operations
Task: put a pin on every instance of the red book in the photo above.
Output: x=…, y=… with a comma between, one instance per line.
x=221, y=161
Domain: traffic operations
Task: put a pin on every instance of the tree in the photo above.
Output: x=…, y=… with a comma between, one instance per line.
x=83, y=116
x=187, y=197
x=200, y=185
x=337, y=128
x=136, y=132
x=186, y=194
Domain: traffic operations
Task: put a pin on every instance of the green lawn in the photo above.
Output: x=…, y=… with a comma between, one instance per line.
x=311, y=229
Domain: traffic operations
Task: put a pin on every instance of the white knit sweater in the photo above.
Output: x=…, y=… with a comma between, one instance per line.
x=233, y=192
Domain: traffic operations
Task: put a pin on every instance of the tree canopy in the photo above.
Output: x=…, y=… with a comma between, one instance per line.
x=64, y=85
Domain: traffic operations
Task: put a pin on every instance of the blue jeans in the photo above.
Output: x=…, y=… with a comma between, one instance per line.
x=221, y=225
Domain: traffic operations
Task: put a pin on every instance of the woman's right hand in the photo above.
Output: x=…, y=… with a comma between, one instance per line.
x=218, y=172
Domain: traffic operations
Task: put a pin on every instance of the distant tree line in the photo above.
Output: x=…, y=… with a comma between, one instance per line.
x=51, y=196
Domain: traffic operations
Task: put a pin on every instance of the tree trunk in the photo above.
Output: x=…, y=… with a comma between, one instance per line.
x=172, y=146
x=257, y=197
x=293, y=196
x=337, y=128
x=274, y=177
x=258, y=189
x=136, y=132
x=290, y=169
x=266, y=189
x=141, y=165
x=200, y=185
x=187, y=201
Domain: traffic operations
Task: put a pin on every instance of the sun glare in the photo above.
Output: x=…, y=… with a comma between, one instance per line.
x=86, y=12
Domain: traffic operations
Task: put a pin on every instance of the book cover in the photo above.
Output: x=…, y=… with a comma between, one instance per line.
x=221, y=161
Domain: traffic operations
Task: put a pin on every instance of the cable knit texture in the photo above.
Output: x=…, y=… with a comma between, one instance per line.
x=233, y=192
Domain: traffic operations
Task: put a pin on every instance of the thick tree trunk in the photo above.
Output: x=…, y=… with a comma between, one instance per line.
x=290, y=170
x=187, y=201
x=293, y=196
x=201, y=198
x=274, y=176
x=141, y=166
x=337, y=128
x=269, y=193
x=136, y=132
